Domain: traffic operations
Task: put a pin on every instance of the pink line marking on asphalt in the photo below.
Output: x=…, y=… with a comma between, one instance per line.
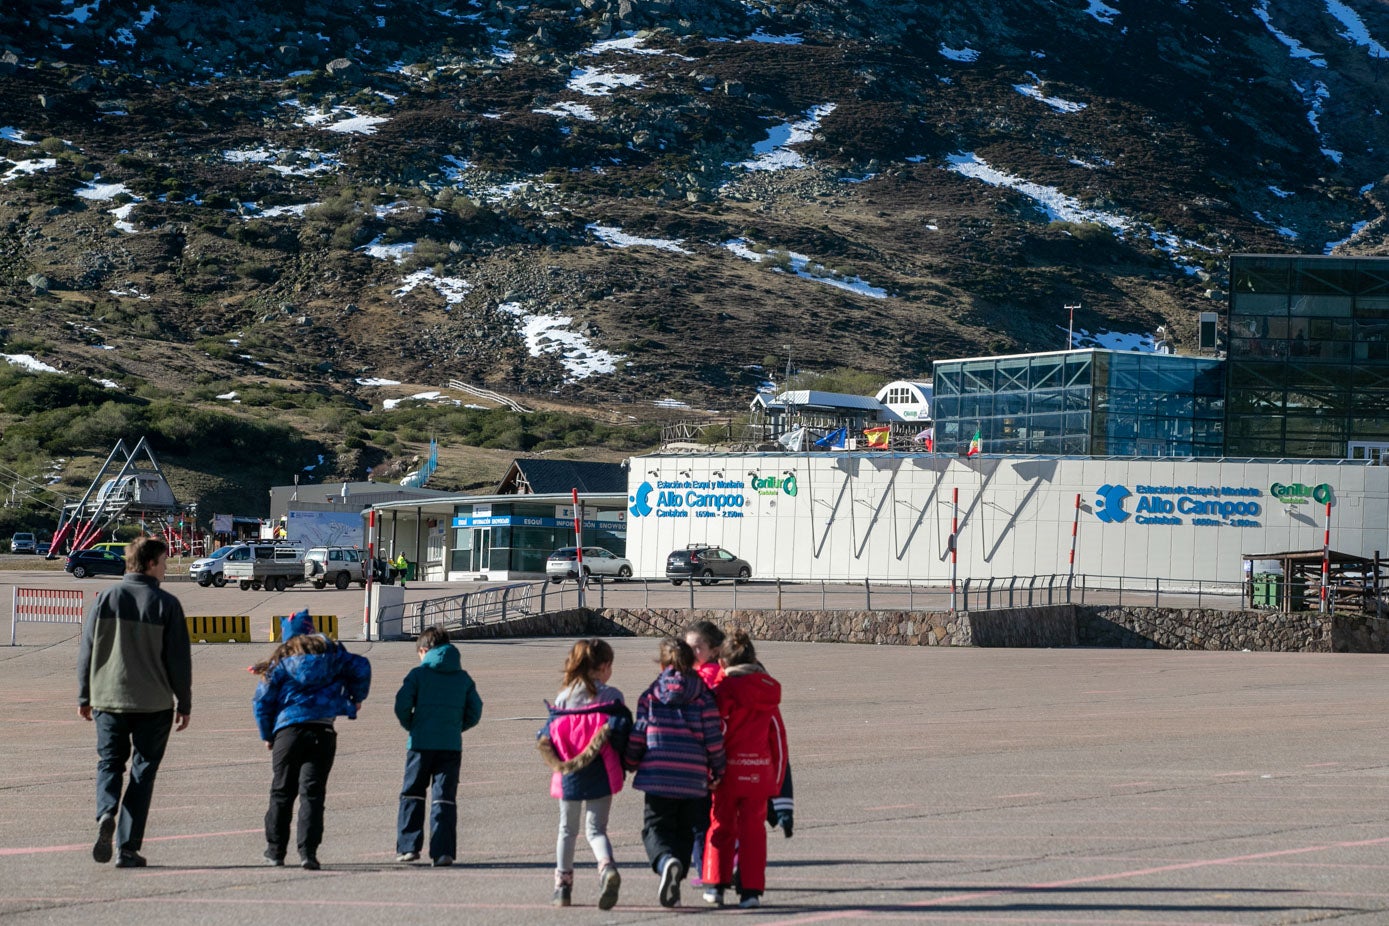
x=1132, y=784
x=1322, y=765
x=892, y=807
x=1004, y=797
x=86, y=846
x=1232, y=774
x=1161, y=869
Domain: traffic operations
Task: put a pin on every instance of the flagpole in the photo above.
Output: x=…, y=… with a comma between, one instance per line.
x=954, y=552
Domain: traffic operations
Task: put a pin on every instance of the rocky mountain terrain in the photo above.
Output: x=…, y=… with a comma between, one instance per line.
x=623, y=201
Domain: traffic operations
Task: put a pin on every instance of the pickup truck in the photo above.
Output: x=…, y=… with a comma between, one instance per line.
x=275, y=568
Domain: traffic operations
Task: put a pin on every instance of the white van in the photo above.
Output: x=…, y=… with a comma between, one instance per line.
x=209, y=570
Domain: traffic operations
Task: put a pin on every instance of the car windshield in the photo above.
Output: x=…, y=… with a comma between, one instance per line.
x=223, y=551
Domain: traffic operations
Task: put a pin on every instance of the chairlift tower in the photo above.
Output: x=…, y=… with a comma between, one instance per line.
x=136, y=491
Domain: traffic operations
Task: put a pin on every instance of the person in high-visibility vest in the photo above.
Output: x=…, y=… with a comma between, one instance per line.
x=400, y=565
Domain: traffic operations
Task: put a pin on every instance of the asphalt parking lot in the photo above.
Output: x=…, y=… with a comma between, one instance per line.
x=933, y=785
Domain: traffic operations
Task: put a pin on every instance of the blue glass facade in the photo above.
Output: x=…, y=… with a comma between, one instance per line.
x=1082, y=402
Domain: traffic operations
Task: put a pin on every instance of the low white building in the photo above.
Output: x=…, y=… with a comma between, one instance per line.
x=847, y=516
x=903, y=400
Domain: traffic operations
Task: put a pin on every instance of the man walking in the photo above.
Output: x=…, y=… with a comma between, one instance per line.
x=134, y=678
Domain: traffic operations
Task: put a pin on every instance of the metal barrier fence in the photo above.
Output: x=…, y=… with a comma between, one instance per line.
x=523, y=599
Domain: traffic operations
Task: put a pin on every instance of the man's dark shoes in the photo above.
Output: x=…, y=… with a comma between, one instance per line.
x=128, y=859
x=274, y=858
x=310, y=863
x=105, y=831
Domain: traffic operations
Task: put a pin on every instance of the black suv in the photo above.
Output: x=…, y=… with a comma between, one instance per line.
x=707, y=564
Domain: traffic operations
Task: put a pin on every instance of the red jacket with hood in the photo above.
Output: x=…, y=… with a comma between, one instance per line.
x=754, y=738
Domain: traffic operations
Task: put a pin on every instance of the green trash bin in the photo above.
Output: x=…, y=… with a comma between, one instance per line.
x=409, y=571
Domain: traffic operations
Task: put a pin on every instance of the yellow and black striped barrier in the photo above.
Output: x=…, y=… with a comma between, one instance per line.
x=219, y=629
x=326, y=624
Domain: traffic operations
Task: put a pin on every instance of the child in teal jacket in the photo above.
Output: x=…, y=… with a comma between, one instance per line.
x=436, y=703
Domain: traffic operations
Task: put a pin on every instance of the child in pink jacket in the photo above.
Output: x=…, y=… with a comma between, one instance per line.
x=583, y=742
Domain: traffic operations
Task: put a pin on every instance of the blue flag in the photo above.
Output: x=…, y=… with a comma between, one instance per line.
x=835, y=440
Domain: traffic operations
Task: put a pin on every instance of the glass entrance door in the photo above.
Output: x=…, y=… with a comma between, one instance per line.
x=482, y=550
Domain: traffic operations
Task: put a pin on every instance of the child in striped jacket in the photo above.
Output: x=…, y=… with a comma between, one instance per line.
x=676, y=748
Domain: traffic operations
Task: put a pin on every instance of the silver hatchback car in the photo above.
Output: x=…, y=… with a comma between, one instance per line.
x=598, y=562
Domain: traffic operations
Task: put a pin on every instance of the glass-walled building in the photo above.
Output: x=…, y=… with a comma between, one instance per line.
x=1308, y=357
x=1081, y=402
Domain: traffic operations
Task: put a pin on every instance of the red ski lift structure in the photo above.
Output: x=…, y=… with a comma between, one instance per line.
x=136, y=491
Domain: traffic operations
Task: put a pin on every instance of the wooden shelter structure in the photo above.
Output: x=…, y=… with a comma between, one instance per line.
x=1354, y=583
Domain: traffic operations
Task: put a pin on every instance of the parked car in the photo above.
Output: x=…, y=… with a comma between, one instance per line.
x=23, y=543
x=207, y=570
x=42, y=548
x=335, y=566
x=564, y=564
x=83, y=563
x=111, y=546
x=706, y=563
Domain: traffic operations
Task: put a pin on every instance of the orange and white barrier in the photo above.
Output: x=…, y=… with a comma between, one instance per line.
x=45, y=606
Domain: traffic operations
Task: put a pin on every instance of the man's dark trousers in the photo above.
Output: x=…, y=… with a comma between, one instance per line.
x=117, y=735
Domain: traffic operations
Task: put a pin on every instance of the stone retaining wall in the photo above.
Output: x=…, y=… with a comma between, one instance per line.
x=1043, y=626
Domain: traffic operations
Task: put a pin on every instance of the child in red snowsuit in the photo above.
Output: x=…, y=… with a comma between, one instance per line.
x=755, y=745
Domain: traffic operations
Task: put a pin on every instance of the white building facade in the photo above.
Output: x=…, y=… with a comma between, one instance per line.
x=888, y=516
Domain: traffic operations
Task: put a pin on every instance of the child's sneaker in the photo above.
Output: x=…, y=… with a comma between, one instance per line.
x=671, y=873
x=408, y=857
x=610, y=881
x=714, y=896
x=564, y=888
x=750, y=901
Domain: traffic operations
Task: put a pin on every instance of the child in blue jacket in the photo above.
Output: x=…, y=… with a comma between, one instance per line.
x=436, y=703
x=308, y=681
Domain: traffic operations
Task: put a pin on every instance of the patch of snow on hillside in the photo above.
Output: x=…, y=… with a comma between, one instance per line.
x=1355, y=229
x=394, y=252
x=600, y=82
x=766, y=38
x=82, y=13
x=454, y=166
x=452, y=289
x=31, y=166
x=102, y=192
x=1059, y=207
x=1034, y=90
x=550, y=334
x=277, y=211
x=1115, y=340
x=13, y=135
x=304, y=162
x=1281, y=194
x=617, y=238
x=341, y=119
x=774, y=152
x=228, y=396
x=1096, y=164
x=669, y=403
x=577, y=110
x=1318, y=94
x=29, y=363
x=628, y=43
x=1355, y=31
x=807, y=269
x=1102, y=12
x=431, y=396
x=962, y=55
x=376, y=381
x=126, y=36
x=1283, y=230
x=1295, y=48
x=130, y=290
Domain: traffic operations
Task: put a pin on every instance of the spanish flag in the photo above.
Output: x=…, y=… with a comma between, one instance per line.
x=976, y=443
x=878, y=437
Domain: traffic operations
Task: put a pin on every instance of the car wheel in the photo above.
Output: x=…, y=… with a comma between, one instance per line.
x=676, y=581
x=318, y=583
x=625, y=572
x=585, y=574
x=706, y=578
x=743, y=575
x=255, y=586
x=220, y=581
x=79, y=572
x=204, y=580
x=245, y=585
x=281, y=583
x=342, y=581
